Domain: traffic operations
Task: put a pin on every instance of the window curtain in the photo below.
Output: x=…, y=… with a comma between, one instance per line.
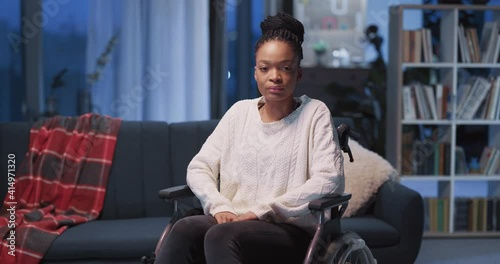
x=159, y=67
x=218, y=62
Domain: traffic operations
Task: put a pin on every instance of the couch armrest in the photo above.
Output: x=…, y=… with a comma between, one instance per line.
x=402, y=208
x=327, y=202
x=399, y=206
x=176, y=193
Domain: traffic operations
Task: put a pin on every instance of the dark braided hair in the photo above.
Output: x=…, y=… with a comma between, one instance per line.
x=285, y=28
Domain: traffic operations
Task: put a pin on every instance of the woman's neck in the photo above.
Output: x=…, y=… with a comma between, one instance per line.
x=272, y=111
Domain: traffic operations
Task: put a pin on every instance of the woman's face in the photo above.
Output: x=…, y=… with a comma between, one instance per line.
x=277, y=70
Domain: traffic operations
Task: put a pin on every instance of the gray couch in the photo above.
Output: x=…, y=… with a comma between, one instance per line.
x=151, y=156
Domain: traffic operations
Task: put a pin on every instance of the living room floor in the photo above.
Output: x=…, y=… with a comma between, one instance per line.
x=459, y=251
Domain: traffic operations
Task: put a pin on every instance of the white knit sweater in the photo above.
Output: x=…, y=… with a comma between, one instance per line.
x=271, y=169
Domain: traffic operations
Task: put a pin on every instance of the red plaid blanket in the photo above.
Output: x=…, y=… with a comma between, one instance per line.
x=60, y=183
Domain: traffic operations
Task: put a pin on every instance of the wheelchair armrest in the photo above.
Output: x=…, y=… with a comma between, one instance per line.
x=330, y=201
x=176, y=193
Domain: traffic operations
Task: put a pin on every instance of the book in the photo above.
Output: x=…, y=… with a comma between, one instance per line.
x=417, y=51
x=431, y=101
x=426, y=45
x=493, y=105
x=430, y=52
x=490, y=203
x=482, y=214
x=462, y=206
x=462, y=41
x=460, y=160
x=489, y=42
x=409, y=112
x=462, y=94
x=494, y=162
x=446, y=214
x=408, y=136
x=473, y=215
x=494, y=58
x=475, y=44
x=447, y=107
x=406, y=46
x=497, y=214
x=423, y=110
x=426, y=215
x=440, y=215
x=439, y=101
x=475, y=98
x=485, y=158
x=433, y=214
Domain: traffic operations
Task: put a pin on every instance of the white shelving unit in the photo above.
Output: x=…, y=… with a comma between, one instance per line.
x=448, y=69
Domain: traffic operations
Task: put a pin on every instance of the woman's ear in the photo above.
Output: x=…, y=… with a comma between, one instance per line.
x=299, y=74
x=255, y=72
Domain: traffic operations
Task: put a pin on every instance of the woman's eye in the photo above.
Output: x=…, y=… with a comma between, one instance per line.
x=263, y=69
x=287, y=68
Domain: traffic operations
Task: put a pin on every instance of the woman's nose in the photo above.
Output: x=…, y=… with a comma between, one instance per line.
x=275, y=76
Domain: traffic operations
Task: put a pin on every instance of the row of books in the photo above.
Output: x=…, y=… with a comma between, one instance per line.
x=471, y=214
x=426, y=150
x=477, y=214
x=421, y=101
x=475, y=50
x=478, y=99
x=430, y=158
x=417, y=45
x=437, y=214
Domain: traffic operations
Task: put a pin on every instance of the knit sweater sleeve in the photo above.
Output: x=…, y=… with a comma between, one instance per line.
x=203, y=170
x=326, y=174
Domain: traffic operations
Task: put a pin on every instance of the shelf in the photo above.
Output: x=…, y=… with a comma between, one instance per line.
x=448, y=178
x=447, y=7
x=427, y=65
x=424, y=178
x=477, y=122
x=435, y=89
x=478, y=65
x=462, y=234
x=427, y=122
x=477, y=177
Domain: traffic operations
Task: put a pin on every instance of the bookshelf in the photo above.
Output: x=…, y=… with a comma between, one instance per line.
x=443, y=115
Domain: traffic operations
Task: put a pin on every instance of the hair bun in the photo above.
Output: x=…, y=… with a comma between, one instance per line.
x=283, y=21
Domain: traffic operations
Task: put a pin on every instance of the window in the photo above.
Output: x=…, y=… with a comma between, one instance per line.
x=64, y=28
x=11, y=82
x=64, y=43
x=240, y=47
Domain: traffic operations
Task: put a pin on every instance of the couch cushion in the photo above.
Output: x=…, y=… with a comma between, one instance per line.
x=375, y=232
x=185, y=141
x=109, y=239
x=139, y=170
x=364, y=176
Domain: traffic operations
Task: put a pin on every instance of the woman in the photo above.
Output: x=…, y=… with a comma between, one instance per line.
x=274, y=154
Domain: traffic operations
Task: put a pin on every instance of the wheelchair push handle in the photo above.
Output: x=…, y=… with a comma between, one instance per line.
x=344, y=132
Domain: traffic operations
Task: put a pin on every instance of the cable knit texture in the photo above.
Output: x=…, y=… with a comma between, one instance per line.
x=271, y=169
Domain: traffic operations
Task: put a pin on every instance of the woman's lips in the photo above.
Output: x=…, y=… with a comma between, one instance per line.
x=276, y=89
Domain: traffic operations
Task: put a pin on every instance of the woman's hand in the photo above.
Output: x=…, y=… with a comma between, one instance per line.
x=247, y=216
x=224, y=217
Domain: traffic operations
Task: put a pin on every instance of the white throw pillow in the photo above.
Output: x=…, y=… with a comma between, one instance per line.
x=364, y=176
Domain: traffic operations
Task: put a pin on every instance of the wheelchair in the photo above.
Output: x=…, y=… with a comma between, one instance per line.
x=328, y=246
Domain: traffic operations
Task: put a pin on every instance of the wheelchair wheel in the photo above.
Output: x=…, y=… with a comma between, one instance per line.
x=349, y=248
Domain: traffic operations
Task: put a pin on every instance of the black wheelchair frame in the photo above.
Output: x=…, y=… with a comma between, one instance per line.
x=328, y=245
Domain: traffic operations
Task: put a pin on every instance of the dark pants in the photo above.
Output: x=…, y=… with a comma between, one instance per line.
x=199, y=239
